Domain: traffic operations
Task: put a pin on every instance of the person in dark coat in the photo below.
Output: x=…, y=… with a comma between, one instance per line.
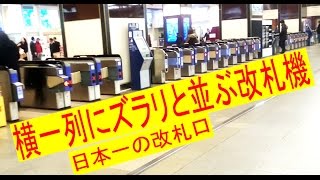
x=23, y=44
x=309, y=32
x=33, y=49
x=9, y=52
x=192, y=38
x=179, y=41
x=318, y=31
x=283, y=36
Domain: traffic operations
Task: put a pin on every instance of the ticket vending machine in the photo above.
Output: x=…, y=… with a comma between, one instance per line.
x=12, y=92
x=140, y=58
x=160, y=66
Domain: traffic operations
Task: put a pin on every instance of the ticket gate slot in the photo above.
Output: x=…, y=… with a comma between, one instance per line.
x=12, y=92
x=233, y=58
x=250, y=45
x=225, y=54
x=214, y=53
x=189, y=62
x=160, y=66
x=202, y=59
x=174, y=64
x=47, y=84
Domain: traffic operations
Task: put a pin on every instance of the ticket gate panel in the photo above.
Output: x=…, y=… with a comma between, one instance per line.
x=233, y=58
x=111, y=73
x=45, y=86
x=225, y=54
x=12, y=93
x=160, y=66
x=174, y=65
x=173, y=73
x=88, y=89
x=3, y=119
x=188, y=70
x=214, y=56
x=202, y=60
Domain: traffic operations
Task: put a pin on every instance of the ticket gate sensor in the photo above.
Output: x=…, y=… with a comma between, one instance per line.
x=12, y=92
x=189, y=62
x=214, y=56
x=86, y=85
x=47, y=84
x=250, y=45
x=160, y=66
x=202, y=59
x=140, y=58
x=242, y=50
x=233, y=46
x=175, y=63
x=111, y=73
x=225, y=54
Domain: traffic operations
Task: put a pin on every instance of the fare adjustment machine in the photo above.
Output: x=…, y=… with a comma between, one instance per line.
x=140, y=58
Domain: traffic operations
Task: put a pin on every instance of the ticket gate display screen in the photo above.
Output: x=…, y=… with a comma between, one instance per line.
x=142, y=46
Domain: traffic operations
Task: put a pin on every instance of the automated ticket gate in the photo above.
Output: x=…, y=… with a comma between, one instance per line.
x=12, y=92
x=159, y=66
x=214, y=56
x=234, y=51
x=202, y=59
x=175, y=63
x=290, y=39
x=275, y=44
x=304, y=39
x=225, y=54
x=111, y=73
x=242, y=50
x=86, y=87
x=189, y=62
x=47, y=84
x=257, y=47
x=250, y=45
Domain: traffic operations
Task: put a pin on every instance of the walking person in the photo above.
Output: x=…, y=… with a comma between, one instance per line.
x=318, y=31
x=38, y=49
x=23, y=45
x=33, y=48
x=309, y=32
x=283, y=36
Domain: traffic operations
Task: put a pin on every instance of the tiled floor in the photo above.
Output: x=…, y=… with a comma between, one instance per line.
x=279, y=137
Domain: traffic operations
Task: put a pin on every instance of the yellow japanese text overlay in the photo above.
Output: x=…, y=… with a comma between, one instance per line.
x=144, y=143
x=160, y=106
